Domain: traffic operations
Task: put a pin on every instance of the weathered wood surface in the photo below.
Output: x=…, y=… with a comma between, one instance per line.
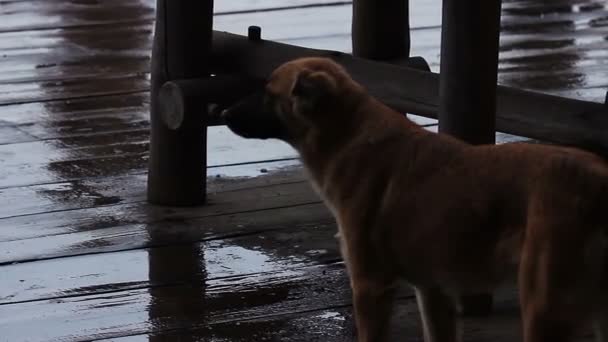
x=83, y=257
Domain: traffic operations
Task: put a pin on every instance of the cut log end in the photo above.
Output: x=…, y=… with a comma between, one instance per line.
x=171, y=105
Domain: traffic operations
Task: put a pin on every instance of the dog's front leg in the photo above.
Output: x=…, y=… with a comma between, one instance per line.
x=373, y=302
x=439, y=321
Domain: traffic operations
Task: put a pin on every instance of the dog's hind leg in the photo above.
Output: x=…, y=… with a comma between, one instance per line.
x=546, y=317
x=439, y=319
x=373, y=303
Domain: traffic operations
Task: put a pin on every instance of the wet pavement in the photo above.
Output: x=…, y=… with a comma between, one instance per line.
x=84, y=257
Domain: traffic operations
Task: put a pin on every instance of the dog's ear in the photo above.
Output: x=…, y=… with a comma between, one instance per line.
x=313, y=85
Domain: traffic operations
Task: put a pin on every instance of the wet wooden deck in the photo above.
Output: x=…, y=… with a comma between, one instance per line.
x=83, y=256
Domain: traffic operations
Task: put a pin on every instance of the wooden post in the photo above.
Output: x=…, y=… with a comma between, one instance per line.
x=182, y=45
x=469, y=68
x=380, y=29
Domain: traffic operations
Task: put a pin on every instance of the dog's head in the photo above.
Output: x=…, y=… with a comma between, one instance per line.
x=297, y=99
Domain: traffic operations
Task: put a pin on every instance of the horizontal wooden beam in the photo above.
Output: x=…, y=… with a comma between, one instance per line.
x=525, y=113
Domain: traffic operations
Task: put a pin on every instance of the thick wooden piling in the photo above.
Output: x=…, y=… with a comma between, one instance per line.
x=468, y=76
x=380, y=29
x=469, y=66
x=182, y=44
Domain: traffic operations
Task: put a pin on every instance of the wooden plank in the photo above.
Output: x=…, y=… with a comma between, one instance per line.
x=138, y=311
x=60, y=222
x=272, y=267
x=49, y=115
x=263, y=5
x=336, y=324
x=70, y=147
x=278, y=242
x=556, y=9
x=22, y=16
x=9, y=135
x=331, y=325
x=318, y=22
x=107, y=234
x=73, y=88
x=41, y=49
x=84, y=193
x=124, y=152
x=39, y=15
x=119, y=227
x=119, y=121
x=38, y=68
x=26, y=15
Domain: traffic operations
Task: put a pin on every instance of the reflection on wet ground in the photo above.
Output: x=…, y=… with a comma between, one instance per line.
x=556, y=46
x=84, y=257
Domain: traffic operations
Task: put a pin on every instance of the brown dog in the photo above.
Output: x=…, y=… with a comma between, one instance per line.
x=449, y=218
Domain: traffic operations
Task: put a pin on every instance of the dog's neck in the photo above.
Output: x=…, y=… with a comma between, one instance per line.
x=367, y=124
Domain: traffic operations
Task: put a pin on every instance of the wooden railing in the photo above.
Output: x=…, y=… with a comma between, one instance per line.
x=465, y=98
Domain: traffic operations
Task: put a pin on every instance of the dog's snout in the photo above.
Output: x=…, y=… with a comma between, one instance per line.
x=250, y=119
